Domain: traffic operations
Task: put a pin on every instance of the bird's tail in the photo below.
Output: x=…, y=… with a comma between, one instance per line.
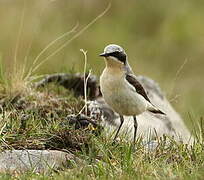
x=156, y=111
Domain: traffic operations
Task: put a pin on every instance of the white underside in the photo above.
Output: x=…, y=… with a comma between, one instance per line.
x=121, y=96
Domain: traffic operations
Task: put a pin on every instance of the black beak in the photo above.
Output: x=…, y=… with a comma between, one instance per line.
x=103, y=55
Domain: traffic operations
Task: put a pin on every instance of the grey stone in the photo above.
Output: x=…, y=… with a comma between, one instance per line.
x=150, y=126
x=34, y=160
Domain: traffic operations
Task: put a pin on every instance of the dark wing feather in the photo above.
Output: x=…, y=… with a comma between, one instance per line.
x=140, y=90
x=138, y=87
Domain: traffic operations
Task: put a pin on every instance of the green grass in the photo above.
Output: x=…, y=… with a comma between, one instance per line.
x=163, y=39
x=105, y=161
x=38, y=121
x=158, y=37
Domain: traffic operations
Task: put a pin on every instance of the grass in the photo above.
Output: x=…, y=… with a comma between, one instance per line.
x=102, y=160
x=165, y=35
x=37, y=119
x=156, y=36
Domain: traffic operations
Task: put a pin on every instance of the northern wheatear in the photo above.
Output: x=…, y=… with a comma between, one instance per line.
x=120, y=88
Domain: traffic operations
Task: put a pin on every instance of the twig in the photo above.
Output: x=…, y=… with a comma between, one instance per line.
x=19, y=35
x=34, y=32
x=32, y=69
x=174, y=99
x=85, y=63
x=177, y=74
x=85, y=78
x=73, y=38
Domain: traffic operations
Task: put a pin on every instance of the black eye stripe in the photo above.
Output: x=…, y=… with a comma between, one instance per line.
x=119, y=55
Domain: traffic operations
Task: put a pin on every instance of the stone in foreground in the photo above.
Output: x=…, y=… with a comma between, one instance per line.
x=33, y=160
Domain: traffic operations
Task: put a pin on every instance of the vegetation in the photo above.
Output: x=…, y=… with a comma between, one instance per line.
x=163, y=40
x=39, y=121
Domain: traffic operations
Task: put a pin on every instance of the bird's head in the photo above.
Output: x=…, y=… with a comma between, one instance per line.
x=114, y=55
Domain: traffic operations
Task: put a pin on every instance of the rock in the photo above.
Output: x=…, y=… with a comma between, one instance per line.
x=73, y=82
x=150, y=125
x=34, y=160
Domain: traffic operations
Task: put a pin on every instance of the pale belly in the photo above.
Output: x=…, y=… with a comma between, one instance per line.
x=121, y=98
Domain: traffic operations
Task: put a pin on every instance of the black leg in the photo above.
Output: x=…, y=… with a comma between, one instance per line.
x=135, y=127
x=121, y=123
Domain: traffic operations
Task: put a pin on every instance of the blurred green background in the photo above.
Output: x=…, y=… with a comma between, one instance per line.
x=164, y=40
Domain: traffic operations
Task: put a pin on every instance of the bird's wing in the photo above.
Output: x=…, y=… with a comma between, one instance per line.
x=140, y=90
x=138, y=87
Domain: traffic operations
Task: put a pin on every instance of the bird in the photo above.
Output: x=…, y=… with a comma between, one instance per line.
x=120, y=88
